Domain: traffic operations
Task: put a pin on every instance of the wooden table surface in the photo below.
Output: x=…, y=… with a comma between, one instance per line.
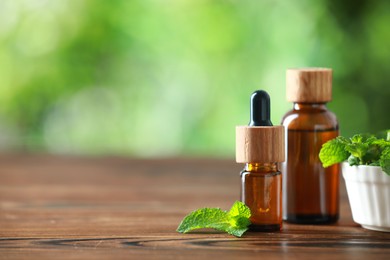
x=54, y=207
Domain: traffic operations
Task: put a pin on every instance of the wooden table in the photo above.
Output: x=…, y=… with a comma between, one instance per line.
x=55, y=207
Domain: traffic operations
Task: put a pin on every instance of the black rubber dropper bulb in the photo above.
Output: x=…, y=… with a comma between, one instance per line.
x=260, y=109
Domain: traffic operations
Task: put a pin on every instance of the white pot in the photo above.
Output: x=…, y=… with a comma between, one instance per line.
x=368, y=190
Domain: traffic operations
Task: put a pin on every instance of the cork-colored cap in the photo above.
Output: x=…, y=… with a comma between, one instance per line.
x=309, y=85
x=259, y=144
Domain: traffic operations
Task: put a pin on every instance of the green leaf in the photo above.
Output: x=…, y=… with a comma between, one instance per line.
x=234, y=222
x=239, y=216
x=357, y=139
x=240, y=209
x=358, y=150
x=352, y=160
x=333, y=151
x=361, y=149
x=384, y=161
x=372, y=154
x=383, y=144
x=369, y=151
x=204, y=218
x=376, y=163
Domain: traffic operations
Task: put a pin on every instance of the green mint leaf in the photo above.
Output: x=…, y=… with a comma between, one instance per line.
x=204, y=218
x=352, y=160
x=333, y=151
x=367, y=148
x=239, y=221
x=240, y=209
x=361, y=149
x=358, y=147
x=372, y=154
x=384, y=161
x=234, y=222
x=376, y=163
x=357, y=139
x=383, y=144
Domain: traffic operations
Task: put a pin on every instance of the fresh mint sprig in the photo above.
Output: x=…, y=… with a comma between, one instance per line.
x=358, y=150
x=235, y=222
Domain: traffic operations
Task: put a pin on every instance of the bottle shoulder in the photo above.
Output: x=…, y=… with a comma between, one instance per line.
x=310, y=120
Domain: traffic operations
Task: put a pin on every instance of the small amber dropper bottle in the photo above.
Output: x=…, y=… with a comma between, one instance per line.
x=260, y=145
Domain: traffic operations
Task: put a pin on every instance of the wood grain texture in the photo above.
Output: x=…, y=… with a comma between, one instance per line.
x=309, y=85
x=117, y=208
x=260, y=144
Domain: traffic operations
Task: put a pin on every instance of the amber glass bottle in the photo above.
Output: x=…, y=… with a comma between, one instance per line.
x=261, y=146
x=311, y=192
x=261, y=190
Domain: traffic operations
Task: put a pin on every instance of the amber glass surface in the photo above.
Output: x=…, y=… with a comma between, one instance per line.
x=311, y=193
x=261, y=191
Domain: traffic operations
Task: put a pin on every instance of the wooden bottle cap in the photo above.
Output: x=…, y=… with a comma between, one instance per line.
x=259, y=144
x=309, y=85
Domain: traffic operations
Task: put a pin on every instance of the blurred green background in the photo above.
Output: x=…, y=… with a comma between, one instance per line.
x=173, y=77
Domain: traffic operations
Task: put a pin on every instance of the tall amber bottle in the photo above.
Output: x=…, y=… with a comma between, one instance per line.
x=311, y=193
x=260, y=145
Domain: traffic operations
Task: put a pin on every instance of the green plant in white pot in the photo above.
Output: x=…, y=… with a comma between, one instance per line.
x=366, y=169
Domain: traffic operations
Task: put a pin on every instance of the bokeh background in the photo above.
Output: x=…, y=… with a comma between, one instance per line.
x=173, y=77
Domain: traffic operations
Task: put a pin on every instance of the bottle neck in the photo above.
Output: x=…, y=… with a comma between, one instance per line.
x=261, y=167
x=309, y=106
